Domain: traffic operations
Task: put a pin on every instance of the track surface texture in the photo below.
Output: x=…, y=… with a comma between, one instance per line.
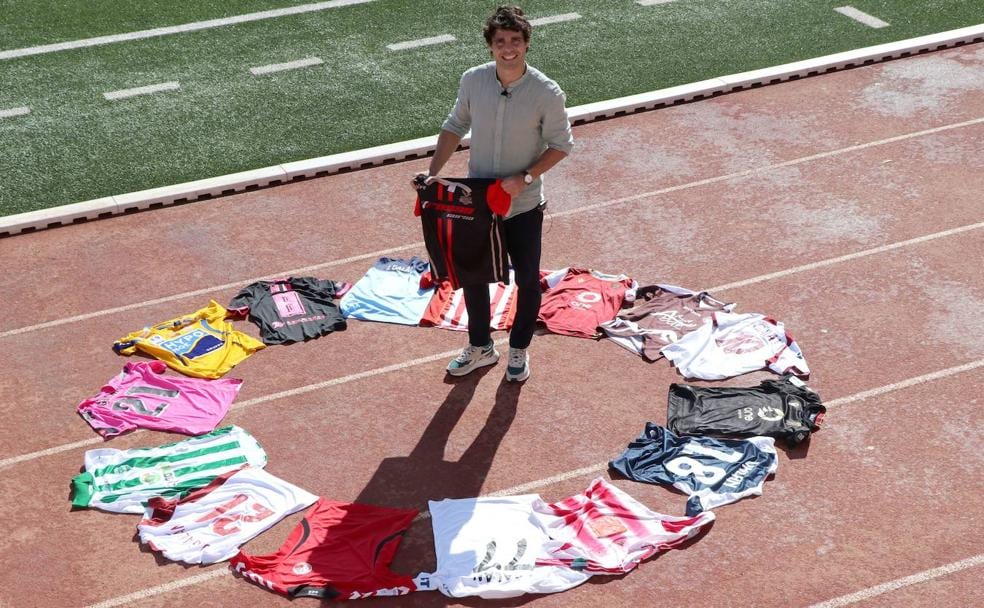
x=848, y=206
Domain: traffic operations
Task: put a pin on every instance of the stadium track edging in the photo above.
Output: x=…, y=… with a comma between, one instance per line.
x=244, y=181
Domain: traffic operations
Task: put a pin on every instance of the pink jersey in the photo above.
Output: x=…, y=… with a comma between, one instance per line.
x=143, y=396
x=577, y=300
x=447, y=307
x=606, y=531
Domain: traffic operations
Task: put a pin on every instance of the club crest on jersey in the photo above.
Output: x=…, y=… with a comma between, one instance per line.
x=302, y=568
x=772, y=414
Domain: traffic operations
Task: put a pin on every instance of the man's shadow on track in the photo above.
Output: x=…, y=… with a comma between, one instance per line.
x=426, y=474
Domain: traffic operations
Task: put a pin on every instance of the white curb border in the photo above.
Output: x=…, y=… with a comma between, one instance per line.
x=417, y=148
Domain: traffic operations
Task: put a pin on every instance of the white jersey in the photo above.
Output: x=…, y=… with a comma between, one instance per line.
x=122, y=481
x=489, y=547
x=734, y=344
x=210, y=524
x=606, y=531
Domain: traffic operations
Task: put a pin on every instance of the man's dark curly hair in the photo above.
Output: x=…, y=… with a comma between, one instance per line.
x=507, y=17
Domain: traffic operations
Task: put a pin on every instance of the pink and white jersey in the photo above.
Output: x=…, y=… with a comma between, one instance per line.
x=735, y=344
x=210, y=524
x=606, y=531
x=447, y=307
x=577, y=300
x=142, y=396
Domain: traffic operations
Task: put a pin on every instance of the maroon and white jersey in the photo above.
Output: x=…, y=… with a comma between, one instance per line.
x=338, y=551
x=605, y=531
x=577, y=300
x=447, y=307
x=662, y=314
x=209, y=524
x=734, y=344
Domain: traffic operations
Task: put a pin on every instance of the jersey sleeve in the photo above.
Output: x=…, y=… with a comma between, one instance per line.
x=240, y=304
x=103, y=421
x=499, y=200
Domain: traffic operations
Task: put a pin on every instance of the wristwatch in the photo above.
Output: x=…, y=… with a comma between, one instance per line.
x=527, y=177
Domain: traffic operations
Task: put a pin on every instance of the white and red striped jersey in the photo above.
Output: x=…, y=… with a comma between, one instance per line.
x=606, y=531
x=447, y=307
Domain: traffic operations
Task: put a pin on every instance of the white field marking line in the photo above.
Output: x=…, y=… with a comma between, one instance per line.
x=257, y=400
x=600, y=467
x=147, y=90
x=652, y=2
x=11, y=112
x=847, y=257
x=383, y=252
x=555, y=19
x=861, y=17
x=176, y=29
x=412, y=44
x=914, y=579
x=283, y=67
x=207, y=290
x=755, y=170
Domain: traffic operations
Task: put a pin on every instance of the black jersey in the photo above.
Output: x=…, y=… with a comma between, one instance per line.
x=462, y=224
x=784, y=408
x=291, y=310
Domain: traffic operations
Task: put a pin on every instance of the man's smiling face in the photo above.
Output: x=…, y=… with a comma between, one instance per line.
x=509, y=49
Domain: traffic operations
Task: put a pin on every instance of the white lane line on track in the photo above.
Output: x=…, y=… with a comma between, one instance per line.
x=861, y=17
x=12, y=112
x=283, y=67
x=177, y=29
x=420, y=244
x=914, y=579
x=601, y=467
x=555, y=19
x=412, y=44
x=150, y=89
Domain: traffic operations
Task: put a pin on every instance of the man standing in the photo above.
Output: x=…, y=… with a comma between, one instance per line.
x=519, y=131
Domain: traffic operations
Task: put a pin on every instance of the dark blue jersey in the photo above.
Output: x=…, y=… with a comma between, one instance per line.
x=713, y=472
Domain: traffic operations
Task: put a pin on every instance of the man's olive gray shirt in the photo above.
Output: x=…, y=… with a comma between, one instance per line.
x=510, y=131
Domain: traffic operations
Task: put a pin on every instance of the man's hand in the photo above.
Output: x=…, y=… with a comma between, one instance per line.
x=420, y=180
x=514, y=184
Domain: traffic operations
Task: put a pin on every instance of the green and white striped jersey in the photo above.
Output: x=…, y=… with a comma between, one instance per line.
x=122, y=481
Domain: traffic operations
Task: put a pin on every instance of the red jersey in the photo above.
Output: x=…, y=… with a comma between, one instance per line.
x=338, y=551
x=577, y=300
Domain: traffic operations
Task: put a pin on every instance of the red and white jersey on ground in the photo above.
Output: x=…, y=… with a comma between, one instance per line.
x=577, y=300
x=606, y=531
x=734, y=344
x=338, y=551
x=447, y=307
x=210, y=524
x=143, y=396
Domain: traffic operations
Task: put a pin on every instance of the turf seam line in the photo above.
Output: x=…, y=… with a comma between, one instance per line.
x=861, y=17
x=419, y=42
x=12, y=112
x=272, y=68
x=176, y=29
x=600, y=467
x=420, y=244
x=359, y=159
x=149, y=89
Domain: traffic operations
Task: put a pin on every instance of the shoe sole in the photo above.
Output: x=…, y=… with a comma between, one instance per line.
x=464, y=371
x=521, y=378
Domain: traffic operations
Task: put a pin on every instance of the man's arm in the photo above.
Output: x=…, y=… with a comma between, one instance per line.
x=447, y=143
x=514, y=184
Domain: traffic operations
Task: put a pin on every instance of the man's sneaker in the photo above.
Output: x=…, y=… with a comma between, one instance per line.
x=473, y=357
x=518, y=368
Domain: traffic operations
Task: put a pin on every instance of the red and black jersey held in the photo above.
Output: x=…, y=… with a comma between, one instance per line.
x=463, y=232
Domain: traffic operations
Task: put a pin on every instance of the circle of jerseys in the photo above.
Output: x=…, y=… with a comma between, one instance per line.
x=209, y=524
x=498, y=547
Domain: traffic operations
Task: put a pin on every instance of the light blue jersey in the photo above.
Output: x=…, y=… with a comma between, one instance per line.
x=390, y=292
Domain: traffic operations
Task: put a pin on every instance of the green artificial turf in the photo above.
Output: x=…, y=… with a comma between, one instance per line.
x=75, y=145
